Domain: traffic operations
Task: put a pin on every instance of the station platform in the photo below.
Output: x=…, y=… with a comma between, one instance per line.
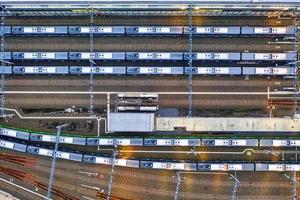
x=199, y=124
x=6, y=196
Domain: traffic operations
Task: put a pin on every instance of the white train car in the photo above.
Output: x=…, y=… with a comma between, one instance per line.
x=13, y=146
x=108, y=161
x=279, y=143
x=155, y=70
x=212, y=56
x=96, y=30
x=38, y=70
x=269, y=71
x=127, y=163
x=39, y=30
x=115, y=141
x=97, y=55
x=230, y=142
x=97, y=70
x=226, y=167
x=14, y=133
x=97, y=159
x=269, y=56
x=172, y=142
x=137, y=95
x=59, y=154
x=40, y=55
x=62, y=139
x=168, y=165
x=154, y=30
x=268, y=31
x=214, y=70
x=137, y=108
x=214, y=30
x=154, y=56
x=276, y=167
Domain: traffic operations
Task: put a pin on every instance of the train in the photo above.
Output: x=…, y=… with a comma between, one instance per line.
x=149, y=56
x=97, y=70
x=149, y=30
x=137, y=108
x=140, y=141
x=39, y=56
x=212, y=56
x=97, y=55
x=136, y=70
x=155, y=70
x=151, y=163
x=154, y=56
x=40, y=70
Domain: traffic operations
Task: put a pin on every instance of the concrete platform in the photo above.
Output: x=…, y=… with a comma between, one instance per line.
x=6, y=196
x=228, y=124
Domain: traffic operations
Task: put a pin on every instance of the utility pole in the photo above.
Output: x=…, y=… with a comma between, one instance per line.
x=294, y=180
x=91, y=60
x=115, y=153
x=4, y=13
x=235, y=183
x=190, y=62
x=295, y=79
x=178, y=183
x=53, y=164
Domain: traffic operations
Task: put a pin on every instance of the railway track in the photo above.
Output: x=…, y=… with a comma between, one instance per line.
x=150, y=184
x=149, y=20
x=138, y=81
x=201, y=44
x=282, y=102
x=20, y=160
x=64, y=101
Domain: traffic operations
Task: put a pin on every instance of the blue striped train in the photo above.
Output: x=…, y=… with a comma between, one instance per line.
x=150, y=70
x=149, y=30
x=150, y=56
x=150, y=163
x=136, y=70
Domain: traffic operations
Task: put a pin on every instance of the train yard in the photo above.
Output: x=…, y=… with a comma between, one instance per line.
x=129, y=103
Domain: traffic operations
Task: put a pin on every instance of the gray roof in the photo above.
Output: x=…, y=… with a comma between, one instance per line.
x=131, y=122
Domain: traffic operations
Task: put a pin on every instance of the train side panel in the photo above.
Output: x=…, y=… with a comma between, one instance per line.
x=97, y=70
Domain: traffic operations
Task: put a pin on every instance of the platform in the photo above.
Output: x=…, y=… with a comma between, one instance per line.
x=199, y=124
